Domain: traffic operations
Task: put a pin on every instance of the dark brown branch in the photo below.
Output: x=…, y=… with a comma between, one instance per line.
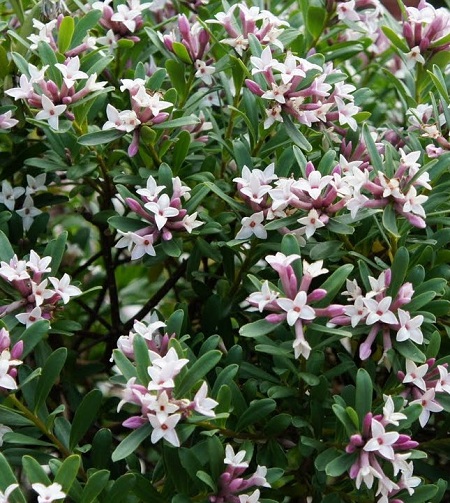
x=159, y=295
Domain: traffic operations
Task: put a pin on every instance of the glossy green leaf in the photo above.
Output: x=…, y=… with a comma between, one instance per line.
x=315, y=20
x=339, y=465
x=255, y=412
x=85, y=415
x=100, y=137
x=130, y=443
x=364, y=392
x=65, y=33
x=197, y=371
x=35, y=472
x=50, y=372
x=257, y=328
x=7, y=478
x=68, y=472
x=94, y=486
x=6, y=250
x=399, y=269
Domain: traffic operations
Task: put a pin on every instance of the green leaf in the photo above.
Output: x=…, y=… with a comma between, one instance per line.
x=181, y=121
x=19, y=438
x=326, y=457
x=410, y=351
x=344, y=418
x=334, y=283
x=295, y=135
x=181, y=149
x=94, y=486
x=175, y=323
x=50, y=372
x=206, y=478
x=55, y=249
x=13, y=418
x=181, y=51
x=127, y=369
x=257, y=328
x=198, y=370
x=6, y=250
x=315, y=20
x=121, y=488
x=230, y=201
x=154, y=83
x=125, y=224
x=390, y=220
x=364, y=392
x=175, y=70
x=340, y=465
x=142, y=359
x=85, y=415
x=48, y=57
x=256, y=411
x=101, y=448
x=421, y=494
x=7, y=478
x=172, y=248
x=68, y=471
x=399, y=269
x=375, y=157
x=33, y=335
x=100, y=137
x=131, y=442
x=395, y=39
x=35, y=472
x=65, y=34
x=83, y=25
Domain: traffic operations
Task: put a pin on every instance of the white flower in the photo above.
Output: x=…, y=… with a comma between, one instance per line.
x=126, y=120
x=5, y=495
x=28, y=212
x=29, y=318
x=38, y=264
x=235, y=460
x=381, y=441
x=357, y=312
x=408, y=481
x=24, y=91
x=151, y=190
x=389, y=414
x=252, y=226
x=311, y=222
x=162, y=210
x=314, y=184
x=126, y=16
x=164, y=427
x=409, y=327
x=190, y=222
x=6, y=120
x=6, y=381
x=250, y=498
x=443, y=383
x=346, y=112
x=140, y=245
x=415, y=375
x=202, y=404
x=63, y=288
x=163, y=405
x=48, y=494
x=71, y=71
x=8, y=195
x=204, y=71
x=429, y=404
x=51, y=112
x=379, y=311
x=36, y=184
x=264, y=297
x=297, y=309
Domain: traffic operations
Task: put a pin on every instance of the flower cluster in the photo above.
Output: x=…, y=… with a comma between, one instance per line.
x=150, y=333
x=363, y=19
x=122, y=23
x=301, y=89
x=28, y=278
x=54, y=97
x=427, y=29
x=196, y=40
x=28, y=211
x=163, y=214
x=262, y=24
x=381, y=313
x=294, y=306
x=157, y=400
x=146, y=108
x=379, y=451
x=231, y=481
x=422, y=383
x=9, y=360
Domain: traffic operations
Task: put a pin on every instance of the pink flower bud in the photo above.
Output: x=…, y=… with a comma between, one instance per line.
x=5, y=341
x=17, y=351
x=309, y=168
x=133, y=205
x=134, y=422
x=184, y=27
x=254, y=87
x=317, y=294
x=275, y=318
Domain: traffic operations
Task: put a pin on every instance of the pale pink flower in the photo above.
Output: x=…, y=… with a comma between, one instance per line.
x=381, y=441
x=429, y=404
x=202, y=403
x=64, y=289
x=50, y=112
x=297, y=309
